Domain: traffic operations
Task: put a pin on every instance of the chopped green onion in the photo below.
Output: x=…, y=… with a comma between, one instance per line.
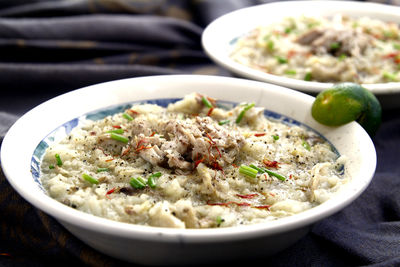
x=117, y=131
x=396, y=46
x=271, y=173
x=276, y=137
x=281, y=60
x=51, y=167
x=119, y=137
x=335, y=45
x=389, y=34
x=224, y=122
x=280, y=177
x=306, y=145
x=102, y=170
x=308, y=76
x=127, y=116
x=219, y=220
x=288, y=29
x=137, y=183
x=151, y=180
x=206, y=102
x=59, y=161
x=256, y=168
x=390, y=76
x=89, y=178
x=248, y=171
x=241, y=114
x=270, y=45
x=342, y=57
x=290, y=72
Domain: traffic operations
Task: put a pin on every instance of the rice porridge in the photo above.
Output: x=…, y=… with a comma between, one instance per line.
x=324, y=49
x=193, y=164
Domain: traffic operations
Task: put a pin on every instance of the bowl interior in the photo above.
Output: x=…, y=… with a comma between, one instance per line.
x=21, y=165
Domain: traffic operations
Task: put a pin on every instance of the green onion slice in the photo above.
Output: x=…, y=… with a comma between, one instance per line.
x=119, y=137
x=137, y=183
x=90, y=179
x=270, y=45
x=271, y=173
x=127, y=116
x=206, y=102
x=151, y=181
x=276, y=137
x=335, y=45
x=306, y=145
x=59, y=161
x=224, y=122
x=390, y=76
x=51, y=167
x=117, y=131
x=248, y=171
x=102, y=170
x=281, y=60
x=308, y=76
x=290, y=72
x=219, y=220
x=241, y=114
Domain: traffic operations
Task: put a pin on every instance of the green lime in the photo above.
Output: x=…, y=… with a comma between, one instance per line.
x=346, y=102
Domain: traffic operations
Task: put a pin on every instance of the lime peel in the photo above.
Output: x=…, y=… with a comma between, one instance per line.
x=347, y=102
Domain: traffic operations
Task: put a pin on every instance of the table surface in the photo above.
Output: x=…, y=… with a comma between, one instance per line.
x=52, y=47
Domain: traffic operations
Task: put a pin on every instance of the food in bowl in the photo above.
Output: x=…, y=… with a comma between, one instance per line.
x=197, y=163
x=335, y=48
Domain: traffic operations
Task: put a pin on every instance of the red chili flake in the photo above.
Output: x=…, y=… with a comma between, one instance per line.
x=216, y=166
x=219, y=152
x=110, y=192
x=291, y=53
x=133, y=111
x=263, y=207
x=126, y=151
x=143, y=147
x=271, y=164
x=240, y=204
x=272, y=194
x=197, y=162
x=116, y=126
x=5, y=254
x=152, y=134
x=102, y=150
x=247, y=196
x=210, y=111
x=209, y=137
x=290, y=176
x=92, y=133
x=259, y=134
x=108, y=160
x=234, y=165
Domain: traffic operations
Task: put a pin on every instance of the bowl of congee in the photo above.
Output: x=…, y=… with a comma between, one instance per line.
x=162, y=170
x=311, y=45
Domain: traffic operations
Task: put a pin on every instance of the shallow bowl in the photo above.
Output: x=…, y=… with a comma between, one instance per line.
x=24, y=143
x=220, y=36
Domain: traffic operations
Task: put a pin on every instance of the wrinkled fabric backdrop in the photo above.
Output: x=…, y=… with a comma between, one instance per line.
x=49, y=47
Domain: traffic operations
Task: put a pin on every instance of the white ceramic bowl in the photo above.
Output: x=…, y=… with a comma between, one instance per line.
x=155, y=245
x=219, y=37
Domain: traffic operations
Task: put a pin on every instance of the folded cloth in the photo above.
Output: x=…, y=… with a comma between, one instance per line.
x=50, y=47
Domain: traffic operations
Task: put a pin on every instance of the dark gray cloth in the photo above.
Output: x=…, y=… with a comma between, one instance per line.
x=51, y=47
